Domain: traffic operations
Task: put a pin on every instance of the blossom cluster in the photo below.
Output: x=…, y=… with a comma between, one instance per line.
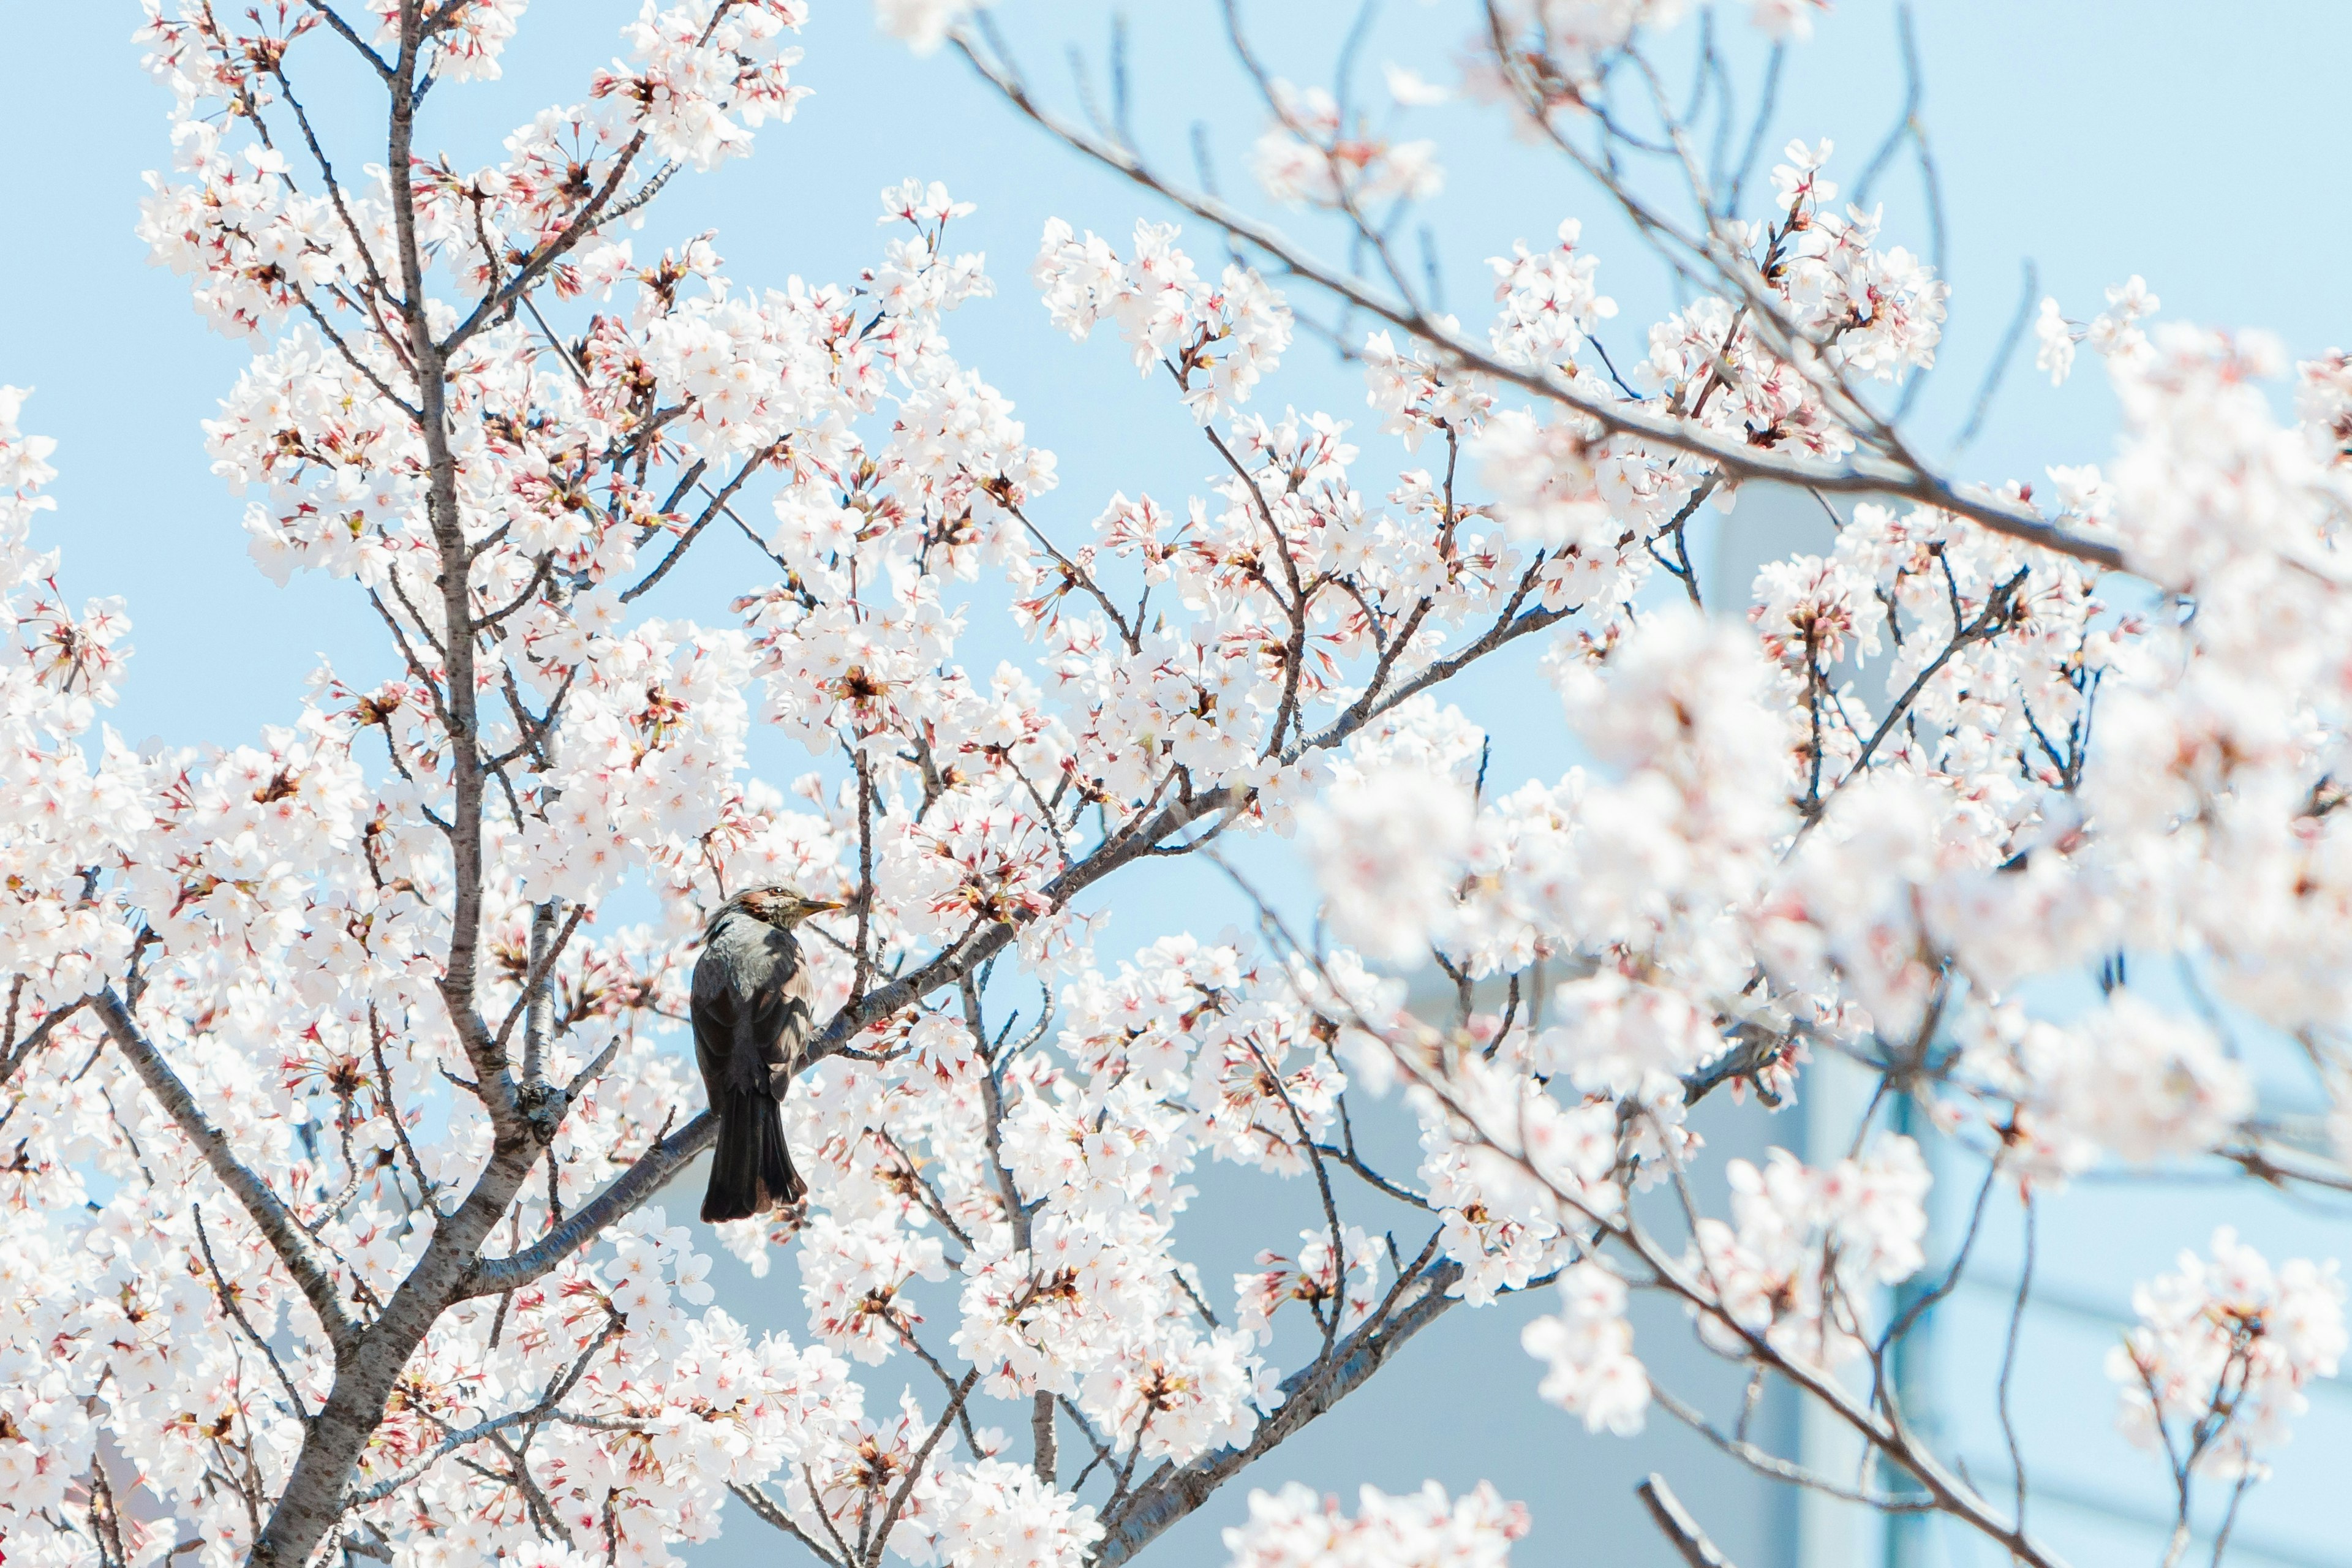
x=1588, y=1349
x=2222, y=1353
x=1219, y=340
x=1293, y=1528
x=1312, y=155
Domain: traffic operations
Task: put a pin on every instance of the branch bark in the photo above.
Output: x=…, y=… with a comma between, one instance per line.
x=1675, y=1523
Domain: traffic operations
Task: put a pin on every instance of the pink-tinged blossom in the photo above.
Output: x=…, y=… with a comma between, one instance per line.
x=1929, y=766
x=1296, y=1529
x=2056, y=336
x=1878, y=314
x=1808, y=608
x=69, y=804
x=1314, y=1278
x=1408, y=89
x=1576, y=34
x=1680, y=697
x=467, y=48
x=1588, y=1349
x=1797, y=185
x=2117, y=330
x=922, y=24
x=1547, y=303
x=992, y=1511
x=1786, y=19
x=2208, y=481
x=1623, y=1038
x=2324, y=406
x=1416, y=397
x=1807, y=1251
x=1310, y=157
x=1386, y=852
x=1546, y=479
x=1220, y=339
x=2216, y=1369
x=2128, y=1080
x=702, y=77
x=1514, y=1175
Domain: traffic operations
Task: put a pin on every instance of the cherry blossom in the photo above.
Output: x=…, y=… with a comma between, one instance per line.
x=1420, y=1529
x=2224, y=1347
x=1312, y=156
x=365, y=1248
x=1588, y=1347
x=1387, y=851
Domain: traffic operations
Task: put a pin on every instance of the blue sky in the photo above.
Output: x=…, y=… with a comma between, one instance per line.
x=2193, y=143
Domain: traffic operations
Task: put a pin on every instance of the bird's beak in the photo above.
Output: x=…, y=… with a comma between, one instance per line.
x=819, y=906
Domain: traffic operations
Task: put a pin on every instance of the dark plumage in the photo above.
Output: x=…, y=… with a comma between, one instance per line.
x=751, y=1022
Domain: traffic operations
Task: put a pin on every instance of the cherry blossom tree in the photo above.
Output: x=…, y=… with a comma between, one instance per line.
x=367, y=1251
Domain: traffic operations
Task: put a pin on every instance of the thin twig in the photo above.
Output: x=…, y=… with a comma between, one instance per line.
x=1675, y=1523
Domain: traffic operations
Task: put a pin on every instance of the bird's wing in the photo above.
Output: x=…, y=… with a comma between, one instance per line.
x=718, y=1017
x=752, y=1022
x=787, y=1035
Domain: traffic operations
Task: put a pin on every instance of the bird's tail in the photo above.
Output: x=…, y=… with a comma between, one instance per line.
x=751, y=1171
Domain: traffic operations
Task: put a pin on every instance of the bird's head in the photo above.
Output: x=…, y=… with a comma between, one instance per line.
x=783, y=907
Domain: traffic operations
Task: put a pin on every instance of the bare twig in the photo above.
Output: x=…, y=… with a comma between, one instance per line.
x=1675, y=1523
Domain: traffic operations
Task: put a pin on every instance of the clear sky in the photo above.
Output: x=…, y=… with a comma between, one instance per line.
x=2195, y=144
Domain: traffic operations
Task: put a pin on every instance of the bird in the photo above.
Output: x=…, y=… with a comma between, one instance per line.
x=752, y=1018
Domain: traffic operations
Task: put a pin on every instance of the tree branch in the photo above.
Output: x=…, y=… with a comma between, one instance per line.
x=634, y=1187
x=1675, y=1523
x=1862, y=474
x=1173, y=1491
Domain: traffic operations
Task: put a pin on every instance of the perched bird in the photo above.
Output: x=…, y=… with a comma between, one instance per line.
x=751, y=1022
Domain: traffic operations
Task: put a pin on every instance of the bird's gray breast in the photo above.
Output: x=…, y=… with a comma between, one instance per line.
x=746, y=956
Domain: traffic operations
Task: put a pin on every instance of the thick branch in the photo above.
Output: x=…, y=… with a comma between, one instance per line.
x=636, y=1186
x=1173, y=1491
